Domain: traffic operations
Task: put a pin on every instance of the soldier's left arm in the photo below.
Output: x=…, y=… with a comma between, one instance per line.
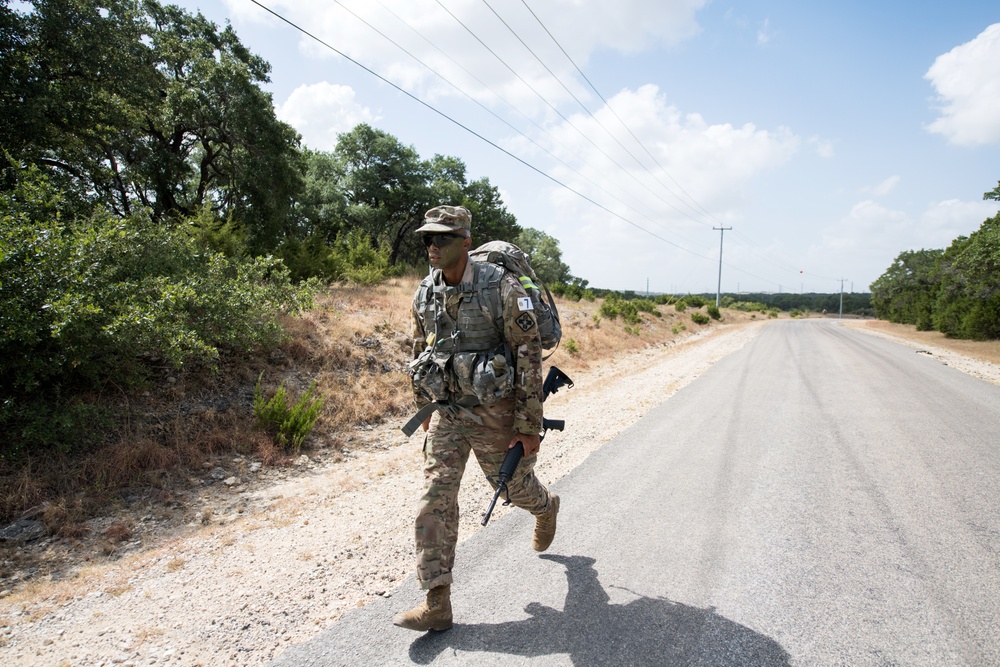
x=521, y=333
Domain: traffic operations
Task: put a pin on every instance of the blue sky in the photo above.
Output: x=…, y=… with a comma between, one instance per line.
x=829, y=136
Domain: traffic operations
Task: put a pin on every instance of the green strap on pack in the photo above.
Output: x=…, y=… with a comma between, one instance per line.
x=527, y=283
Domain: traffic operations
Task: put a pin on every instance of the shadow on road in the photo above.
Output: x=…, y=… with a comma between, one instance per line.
x=646, y=631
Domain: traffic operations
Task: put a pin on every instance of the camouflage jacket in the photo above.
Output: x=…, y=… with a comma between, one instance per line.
x=519, y=334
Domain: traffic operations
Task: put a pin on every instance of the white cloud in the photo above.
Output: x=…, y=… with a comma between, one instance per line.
x=322, y=110
x=883, y=188
x=870, y=236
x=823, y=147
x=715, y=164
x=691, y=158
x=967, y=80
x=764, y=32
x=945, y=221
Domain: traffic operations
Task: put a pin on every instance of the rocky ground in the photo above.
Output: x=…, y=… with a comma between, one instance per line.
x=270, y=557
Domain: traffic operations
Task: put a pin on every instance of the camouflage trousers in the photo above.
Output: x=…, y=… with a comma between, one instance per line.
x=446, y=451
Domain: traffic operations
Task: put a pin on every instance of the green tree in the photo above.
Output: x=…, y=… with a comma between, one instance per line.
x=546, y=257
x=905, y=293
x=132, y=103
x=968, y=302
x=491, y=221
x=993, y=194
x=321, y=206
x=385, y=186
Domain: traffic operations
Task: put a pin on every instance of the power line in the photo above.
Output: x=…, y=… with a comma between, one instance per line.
x=493, y=113
x=591, y=114
x=471, y=131
x=615, y=113
x=557, y=112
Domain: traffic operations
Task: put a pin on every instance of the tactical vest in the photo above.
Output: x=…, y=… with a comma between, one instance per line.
x=466, y=360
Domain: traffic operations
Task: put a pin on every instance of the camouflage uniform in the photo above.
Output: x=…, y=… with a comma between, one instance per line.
x=454, y=433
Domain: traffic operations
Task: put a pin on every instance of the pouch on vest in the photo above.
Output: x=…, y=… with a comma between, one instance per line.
x=516, y=261
x=430, y=376
x=485, y=375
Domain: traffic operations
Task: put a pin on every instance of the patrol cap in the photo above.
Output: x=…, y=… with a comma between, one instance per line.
x=445, y=219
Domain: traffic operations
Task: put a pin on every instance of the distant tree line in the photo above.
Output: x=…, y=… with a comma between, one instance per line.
x=809, y=302
x=955, y=290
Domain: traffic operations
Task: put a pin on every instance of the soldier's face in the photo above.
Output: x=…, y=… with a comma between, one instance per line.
x=445, y=250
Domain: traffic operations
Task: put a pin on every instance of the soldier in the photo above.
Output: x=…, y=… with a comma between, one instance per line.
x=478, y=363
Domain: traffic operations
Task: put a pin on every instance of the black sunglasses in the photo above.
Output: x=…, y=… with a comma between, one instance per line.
x=440, y=240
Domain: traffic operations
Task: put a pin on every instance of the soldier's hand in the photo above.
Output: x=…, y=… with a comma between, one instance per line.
x=531, y=441
x=427, y=422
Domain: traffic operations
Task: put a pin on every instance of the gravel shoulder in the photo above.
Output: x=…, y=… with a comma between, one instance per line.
x=273, y=565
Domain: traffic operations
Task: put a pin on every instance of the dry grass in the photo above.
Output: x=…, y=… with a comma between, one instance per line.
x=983, y=350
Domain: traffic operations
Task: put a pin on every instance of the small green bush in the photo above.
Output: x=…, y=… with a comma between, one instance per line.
x=700, y=318
x=289, y=425
x=680, y=306
x=746, y=306
x=796, y=313
x=572, y=347
x=713, y=312
x=695, y=301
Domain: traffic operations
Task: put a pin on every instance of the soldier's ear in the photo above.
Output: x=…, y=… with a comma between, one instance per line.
x=467, y=242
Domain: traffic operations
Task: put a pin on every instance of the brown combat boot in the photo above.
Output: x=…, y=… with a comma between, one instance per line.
x=545, y=525
x=432, y=614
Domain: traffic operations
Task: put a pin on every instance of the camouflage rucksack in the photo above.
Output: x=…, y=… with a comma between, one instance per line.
x=517, y=262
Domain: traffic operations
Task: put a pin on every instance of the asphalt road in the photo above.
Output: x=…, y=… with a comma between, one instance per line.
x=821, y=497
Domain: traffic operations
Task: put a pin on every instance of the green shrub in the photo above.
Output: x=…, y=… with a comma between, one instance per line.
x=610, y=308
x=50, y=424
x=746, y=306
x=700, y=318
x=90, y=300
x=680, y=306
x=614, y=305
x=796, y=313
x=289, y=425
x=572, y=347
x=356, y=261
x=713, y=312
x=646, y=306
x=695, y=301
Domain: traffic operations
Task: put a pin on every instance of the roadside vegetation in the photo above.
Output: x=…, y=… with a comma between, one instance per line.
x=955, y=291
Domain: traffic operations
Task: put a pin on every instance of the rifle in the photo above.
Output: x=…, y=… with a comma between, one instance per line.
x=554, y=381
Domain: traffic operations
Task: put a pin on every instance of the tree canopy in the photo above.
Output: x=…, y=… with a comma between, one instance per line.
x=955, y=291
x=132, y=104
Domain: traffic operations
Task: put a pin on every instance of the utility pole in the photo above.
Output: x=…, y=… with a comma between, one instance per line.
x=718, y=290
x=842, y=298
